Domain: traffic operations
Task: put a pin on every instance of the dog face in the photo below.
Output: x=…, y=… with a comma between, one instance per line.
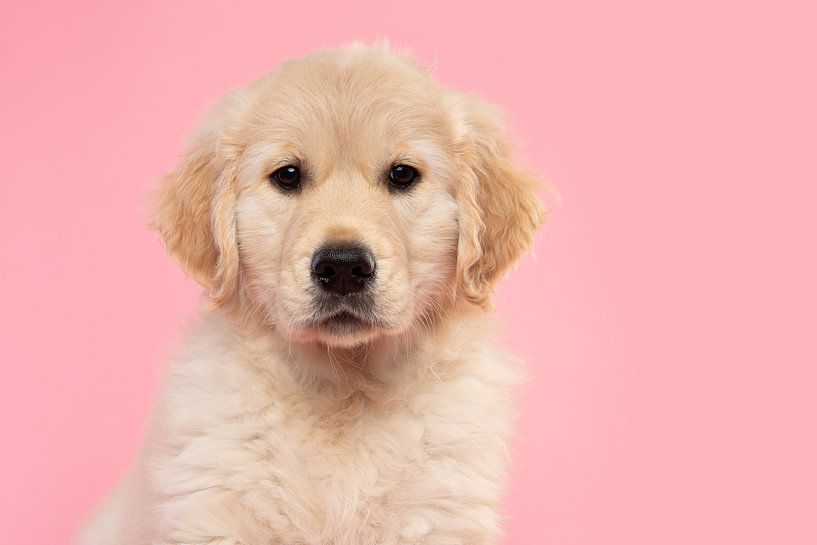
x=347, y=196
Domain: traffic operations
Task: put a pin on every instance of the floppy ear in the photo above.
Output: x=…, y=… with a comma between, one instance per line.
x=499, y=212
x=195, y=206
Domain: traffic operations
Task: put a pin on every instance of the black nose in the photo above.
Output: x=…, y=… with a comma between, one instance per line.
x=343, y=269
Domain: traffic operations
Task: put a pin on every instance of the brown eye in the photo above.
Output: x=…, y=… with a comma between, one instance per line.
x=403, y=176
x=288, y=177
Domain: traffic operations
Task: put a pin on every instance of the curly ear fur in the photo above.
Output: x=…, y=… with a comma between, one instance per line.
x=499, y=212
x=194, y=211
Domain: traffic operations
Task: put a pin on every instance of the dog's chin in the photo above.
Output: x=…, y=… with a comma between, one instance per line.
x=345, y=330
x=340, y=330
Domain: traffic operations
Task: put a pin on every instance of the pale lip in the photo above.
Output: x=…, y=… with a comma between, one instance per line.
x=345, y=323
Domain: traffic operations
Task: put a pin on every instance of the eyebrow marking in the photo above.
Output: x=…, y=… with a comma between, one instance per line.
x=288, y=160
x=407, y=160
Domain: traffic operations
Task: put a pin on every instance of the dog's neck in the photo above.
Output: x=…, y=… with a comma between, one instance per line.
x=379, y=363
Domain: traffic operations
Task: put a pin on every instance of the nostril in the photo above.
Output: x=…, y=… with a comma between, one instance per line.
x=325, y=271
x=360, y=272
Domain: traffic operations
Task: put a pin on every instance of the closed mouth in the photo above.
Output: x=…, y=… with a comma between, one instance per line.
x=345, y=322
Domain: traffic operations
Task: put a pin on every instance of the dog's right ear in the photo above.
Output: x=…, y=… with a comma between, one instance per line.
x=195, y=206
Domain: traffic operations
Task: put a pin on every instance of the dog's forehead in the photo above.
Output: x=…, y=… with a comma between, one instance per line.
x=334, y=99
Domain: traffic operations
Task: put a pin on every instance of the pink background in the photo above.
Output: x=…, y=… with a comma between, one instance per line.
x=669, y=320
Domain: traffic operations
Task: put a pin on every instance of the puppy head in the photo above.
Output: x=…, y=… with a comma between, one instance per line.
x=347, y=196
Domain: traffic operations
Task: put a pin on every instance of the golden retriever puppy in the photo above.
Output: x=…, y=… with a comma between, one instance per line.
x=349, y=218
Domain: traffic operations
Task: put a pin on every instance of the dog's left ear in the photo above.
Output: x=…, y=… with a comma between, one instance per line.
x=194, y=211
x=499, y=212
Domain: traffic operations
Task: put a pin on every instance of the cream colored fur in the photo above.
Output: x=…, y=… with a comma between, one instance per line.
x=274, y=430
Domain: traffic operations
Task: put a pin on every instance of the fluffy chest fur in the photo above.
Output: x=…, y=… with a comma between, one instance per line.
x=241, y=443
